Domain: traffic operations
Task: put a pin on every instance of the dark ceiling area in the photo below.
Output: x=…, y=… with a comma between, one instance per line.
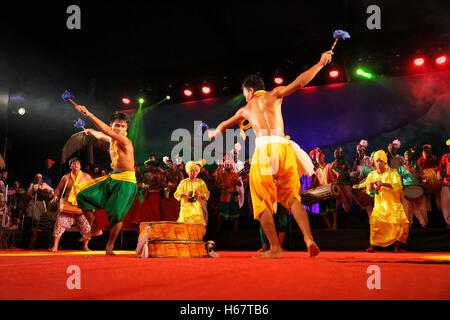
x=124, y=47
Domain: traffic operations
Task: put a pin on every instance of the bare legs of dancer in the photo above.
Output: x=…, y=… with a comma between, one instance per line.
x=301, y=218
x=56, y=243
x=95, y=230
x=113, y=233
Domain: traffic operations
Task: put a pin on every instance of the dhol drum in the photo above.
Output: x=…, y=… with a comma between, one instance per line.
x=169, y=230
x=67, y=207
x=364, y=199
x=315, y=195
x=177, y=249
x=413, y=192
x=354, y=177
x=360, y=192
x=433, y=185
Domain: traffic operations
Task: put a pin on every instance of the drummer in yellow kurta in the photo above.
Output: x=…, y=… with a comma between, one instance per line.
x=388, y=222
x=190, y=191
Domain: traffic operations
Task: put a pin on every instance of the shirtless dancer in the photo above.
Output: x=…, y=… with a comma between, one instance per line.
x=116, y=191
x=263, y=111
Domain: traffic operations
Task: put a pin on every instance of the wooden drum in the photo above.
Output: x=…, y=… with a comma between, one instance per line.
x=169, y=230
x=319, y=194
x=66, y=207
x=413, y=192
x=364, y=199
x=433, y=185
x=177, y=249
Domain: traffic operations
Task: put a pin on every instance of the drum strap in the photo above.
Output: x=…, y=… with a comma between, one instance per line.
x=61, y=201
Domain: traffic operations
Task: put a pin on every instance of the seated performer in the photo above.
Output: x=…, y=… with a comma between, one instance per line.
x=70, y=214
x=275, y=157
x=388, y=221
x=116, y=191
x=190, y=192
x=411, y=174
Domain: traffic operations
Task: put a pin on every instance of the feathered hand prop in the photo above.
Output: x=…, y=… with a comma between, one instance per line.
x=202, y=128
x=80, y=141
x=79, y=124
x=339, y=35
x=67, y=96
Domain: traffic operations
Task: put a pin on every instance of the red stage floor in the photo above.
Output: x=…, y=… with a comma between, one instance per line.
x=233, y=276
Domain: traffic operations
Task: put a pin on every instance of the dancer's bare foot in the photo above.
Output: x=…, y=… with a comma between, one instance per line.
x=270, y=254
x=89, y=235
x=109, y=250
x=399, y=249
x=263, y=249
x=53, y=249
x=86, y=249
x=370, y=249
x=313, y=249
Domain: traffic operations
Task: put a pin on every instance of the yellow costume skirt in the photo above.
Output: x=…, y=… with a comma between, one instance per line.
x=274, y=173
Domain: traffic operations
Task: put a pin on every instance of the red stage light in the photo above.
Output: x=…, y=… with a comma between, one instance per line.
x=278, y=80
x=206, y=90
x=334, y=73
x=441, y=60
x=419, y=62
x=126, y=101
x=187, y=92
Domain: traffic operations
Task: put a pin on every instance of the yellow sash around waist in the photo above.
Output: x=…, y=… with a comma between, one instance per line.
x=128, y=176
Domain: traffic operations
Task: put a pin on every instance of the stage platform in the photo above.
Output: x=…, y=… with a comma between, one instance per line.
x=419, y=240
x=235, y=275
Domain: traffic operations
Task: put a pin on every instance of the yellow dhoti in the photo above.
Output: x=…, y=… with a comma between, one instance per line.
x=275, y=173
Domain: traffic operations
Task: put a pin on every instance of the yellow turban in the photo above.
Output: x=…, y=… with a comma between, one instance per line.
x=380, y=154
x=191, y=165
x=448, y=142
x=201, y=163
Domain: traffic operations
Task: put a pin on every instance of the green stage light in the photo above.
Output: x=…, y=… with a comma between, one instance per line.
x=167, y=97
x=141, y=100
x=364, y=74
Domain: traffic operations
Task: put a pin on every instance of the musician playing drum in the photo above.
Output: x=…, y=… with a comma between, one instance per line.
x=69, y=213
x=413, y=200
x=328, y=207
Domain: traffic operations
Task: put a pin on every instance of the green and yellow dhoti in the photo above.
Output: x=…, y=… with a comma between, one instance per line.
x=114, y=192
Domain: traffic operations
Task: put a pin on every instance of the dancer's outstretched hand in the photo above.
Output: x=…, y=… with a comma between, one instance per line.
x=89, y=132
x=212, y=134
x=326, y=58
x=82, y=109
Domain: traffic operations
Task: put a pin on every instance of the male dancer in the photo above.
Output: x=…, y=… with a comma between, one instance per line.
x=116, y=191
x=275, y=156
x=70, y=213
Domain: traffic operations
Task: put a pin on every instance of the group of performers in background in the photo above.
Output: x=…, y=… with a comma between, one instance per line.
x=391, y=188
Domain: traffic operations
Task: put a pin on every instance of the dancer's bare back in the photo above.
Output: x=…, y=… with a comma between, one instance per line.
x=263, y=111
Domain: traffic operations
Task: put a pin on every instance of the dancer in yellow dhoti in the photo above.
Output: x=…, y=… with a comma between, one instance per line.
x=277, y=162
x=190, y=192
x=388, y=221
